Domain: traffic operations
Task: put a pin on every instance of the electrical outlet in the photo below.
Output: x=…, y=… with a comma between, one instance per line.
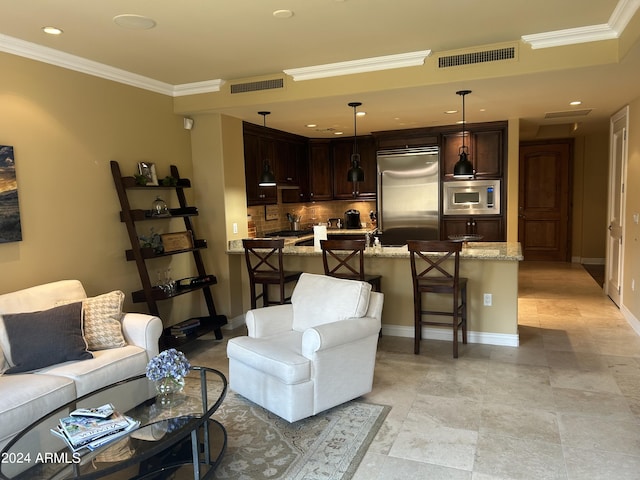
x=235, y=228
x=488, y=298
x=633, y=285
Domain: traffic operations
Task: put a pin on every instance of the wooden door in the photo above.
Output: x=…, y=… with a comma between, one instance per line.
x=544, y=209
x=617, y=180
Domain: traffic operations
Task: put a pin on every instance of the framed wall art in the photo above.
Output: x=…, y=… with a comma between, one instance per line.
x=10, y=227
x=148, y=170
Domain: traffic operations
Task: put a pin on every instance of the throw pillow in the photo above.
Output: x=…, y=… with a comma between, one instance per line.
x=102, y=315
x=48, y=337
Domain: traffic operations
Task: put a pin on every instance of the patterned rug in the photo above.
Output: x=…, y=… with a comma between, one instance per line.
x=328, y=446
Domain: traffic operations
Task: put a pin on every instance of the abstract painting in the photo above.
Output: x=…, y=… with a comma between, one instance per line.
x=10, y=229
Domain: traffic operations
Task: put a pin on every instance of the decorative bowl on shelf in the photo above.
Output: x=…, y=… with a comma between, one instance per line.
x=465, y=238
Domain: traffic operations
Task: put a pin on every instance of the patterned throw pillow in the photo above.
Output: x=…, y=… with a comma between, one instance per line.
x=102, y=316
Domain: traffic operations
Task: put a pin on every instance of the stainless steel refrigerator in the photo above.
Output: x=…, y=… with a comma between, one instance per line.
x=408, y=195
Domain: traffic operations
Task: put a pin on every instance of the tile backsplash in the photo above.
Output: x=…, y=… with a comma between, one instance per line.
x=311, y=213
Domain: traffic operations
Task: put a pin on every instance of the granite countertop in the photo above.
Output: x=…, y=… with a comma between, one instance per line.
x=510, y=251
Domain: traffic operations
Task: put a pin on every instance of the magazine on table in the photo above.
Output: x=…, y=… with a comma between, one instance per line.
x=94, y=429
x=98, y=442
x=104, y=411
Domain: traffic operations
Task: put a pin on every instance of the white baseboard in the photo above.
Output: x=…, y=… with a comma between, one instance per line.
x=633, y=321
x=485, y=338
x=234, y=323
x=588, y=261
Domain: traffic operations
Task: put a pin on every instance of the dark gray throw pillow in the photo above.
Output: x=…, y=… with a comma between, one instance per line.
x=41, y=339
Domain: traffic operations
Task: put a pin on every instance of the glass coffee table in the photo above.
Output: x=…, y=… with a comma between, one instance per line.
x=177, y=438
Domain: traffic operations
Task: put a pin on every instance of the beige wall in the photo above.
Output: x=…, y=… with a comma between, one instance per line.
x=65, y=127
x=590, y=184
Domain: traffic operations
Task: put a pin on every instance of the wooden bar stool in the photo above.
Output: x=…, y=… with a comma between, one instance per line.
x=430, y=276
x=347, y=261
x=265, y=266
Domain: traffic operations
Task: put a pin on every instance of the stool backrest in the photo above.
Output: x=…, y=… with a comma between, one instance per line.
x=263, y=256
x=425, y=265
x=346, y=257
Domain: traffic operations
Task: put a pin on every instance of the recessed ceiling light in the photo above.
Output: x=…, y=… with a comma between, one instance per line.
x=338, y=133
x=575, y=102
x=311, y=125
x=361, y=114
x=134, y=22
x=52, y=30
x=451, y=112
x=283, y=14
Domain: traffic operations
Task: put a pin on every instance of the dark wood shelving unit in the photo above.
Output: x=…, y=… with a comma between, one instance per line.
x=150, y=294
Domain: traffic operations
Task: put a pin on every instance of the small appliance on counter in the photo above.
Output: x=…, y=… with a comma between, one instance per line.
x=335, y=223
x=352, y=219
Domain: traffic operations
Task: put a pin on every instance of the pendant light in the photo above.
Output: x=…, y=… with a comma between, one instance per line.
x=463, y=167
x=267, y=179
x=355, y=173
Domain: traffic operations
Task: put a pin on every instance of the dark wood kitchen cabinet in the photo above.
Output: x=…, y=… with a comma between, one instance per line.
x=490, y=227
x=320, y=170
x=486, y=149
x=342, y=150
x=286, y=155
x=407, y=138
x=257, y=150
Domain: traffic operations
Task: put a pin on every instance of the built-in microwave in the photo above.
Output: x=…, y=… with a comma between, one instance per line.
x=471, y=197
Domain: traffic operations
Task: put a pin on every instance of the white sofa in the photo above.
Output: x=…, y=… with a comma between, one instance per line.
x=25, y=397
x=318, y=352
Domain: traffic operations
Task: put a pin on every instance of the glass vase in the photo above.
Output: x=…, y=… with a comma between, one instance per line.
x=167, y=387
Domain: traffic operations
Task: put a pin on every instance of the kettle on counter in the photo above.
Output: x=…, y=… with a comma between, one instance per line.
x=352, y=219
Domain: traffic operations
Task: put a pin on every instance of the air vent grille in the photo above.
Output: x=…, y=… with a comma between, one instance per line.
x=495, y=55
x=568, y=113
x=258, y=85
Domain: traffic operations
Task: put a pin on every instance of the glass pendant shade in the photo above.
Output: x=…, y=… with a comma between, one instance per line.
x=463, y=167
x=355, y=173
x=267, y=179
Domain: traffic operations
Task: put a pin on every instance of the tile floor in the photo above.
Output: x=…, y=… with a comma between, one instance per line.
x=563, y=405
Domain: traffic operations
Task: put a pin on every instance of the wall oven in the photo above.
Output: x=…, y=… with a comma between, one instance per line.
x=471, y=197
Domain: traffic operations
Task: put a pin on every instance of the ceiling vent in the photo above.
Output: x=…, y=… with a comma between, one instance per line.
x=479, y=56
x=257, y=85
x=568, y=113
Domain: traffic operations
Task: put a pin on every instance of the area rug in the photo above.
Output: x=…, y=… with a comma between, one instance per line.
x=328, y=446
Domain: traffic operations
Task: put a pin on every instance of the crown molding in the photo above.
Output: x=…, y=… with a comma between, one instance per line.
x=622, y=14
x=195, y=88
x=387, y=62
x=30, y=50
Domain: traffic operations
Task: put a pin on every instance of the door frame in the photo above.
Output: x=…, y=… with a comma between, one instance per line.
x=620, y=117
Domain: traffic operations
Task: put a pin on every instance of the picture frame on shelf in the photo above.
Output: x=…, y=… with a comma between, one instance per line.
x=271, y=212
x=173, y=242
x=148, y=170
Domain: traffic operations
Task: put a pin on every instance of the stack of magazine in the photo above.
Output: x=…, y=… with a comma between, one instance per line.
x=93, y=427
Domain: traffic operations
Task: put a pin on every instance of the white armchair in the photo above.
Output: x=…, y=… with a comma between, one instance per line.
x=318, y=352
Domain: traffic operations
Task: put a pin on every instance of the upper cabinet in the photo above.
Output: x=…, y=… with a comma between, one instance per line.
x=486, y=148
x=286, y=155
x=407, y=138
x=342, y=150
x=257, y=150
x=320, y=170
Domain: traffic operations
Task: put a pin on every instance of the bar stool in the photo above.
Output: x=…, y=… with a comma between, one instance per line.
x=347, y=259
x=264, y=263
x=428, y=257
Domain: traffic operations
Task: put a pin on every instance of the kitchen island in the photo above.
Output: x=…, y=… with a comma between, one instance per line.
x=491, y=267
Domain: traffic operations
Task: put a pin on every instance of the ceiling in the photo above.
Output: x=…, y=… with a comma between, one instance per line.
x=204, y=40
